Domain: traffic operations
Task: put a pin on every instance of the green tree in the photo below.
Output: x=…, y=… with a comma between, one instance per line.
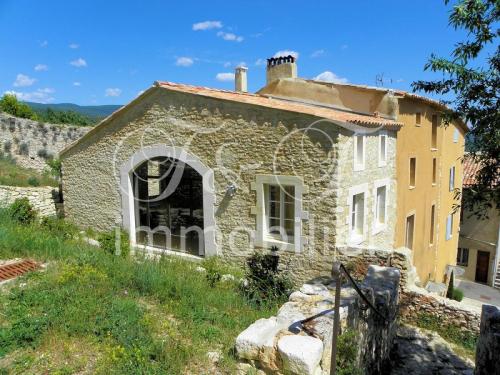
x=10, y=105
x=471, y=76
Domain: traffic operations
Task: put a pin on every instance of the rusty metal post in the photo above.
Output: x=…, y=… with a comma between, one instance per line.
x=336, y=275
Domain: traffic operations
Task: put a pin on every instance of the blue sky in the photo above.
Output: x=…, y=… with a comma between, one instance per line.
x=105, y=52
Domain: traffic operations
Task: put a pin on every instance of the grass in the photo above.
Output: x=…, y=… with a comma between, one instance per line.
x=464, y=342
x=92, y=312
x=15, y=175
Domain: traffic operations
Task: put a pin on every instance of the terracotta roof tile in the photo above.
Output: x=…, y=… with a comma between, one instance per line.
x=471, y=168
x=280, y=104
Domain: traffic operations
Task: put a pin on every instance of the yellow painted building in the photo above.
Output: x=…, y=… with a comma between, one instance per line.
x=429, y=163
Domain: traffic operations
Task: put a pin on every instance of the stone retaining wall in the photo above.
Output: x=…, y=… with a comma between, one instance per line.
x=43, y=199
x=282, y=345
x=488, y=346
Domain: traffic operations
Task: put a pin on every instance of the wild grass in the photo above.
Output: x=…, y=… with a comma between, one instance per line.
x=15, y=175
x=118, y=314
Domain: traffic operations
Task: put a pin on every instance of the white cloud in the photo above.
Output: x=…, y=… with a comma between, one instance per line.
x=44, y=44
x=184, y=61
x=39, y=96
x=227, y=64
x=41, y=68
x=74, y=46
x=286, y=52
x=79, y=63
x=230, y=36
x=77, y=84
x=225, y=77
x=328, y=76
x=207, y=25
x=23, y=80
x=318, y=53
x=113, y=92
x=260, y=62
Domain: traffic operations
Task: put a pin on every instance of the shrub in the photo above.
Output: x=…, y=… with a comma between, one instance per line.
x=33, y=181
x=265, y=282
x=23, y=148
x=21, y=211
x=449, y=292
x=457, y=295
x=213, y=274
x=10, y=104
x=7, y=146
x=347, y=353
x=59, y=227
x=44, y=154
x=108, y=240
x=55, y=167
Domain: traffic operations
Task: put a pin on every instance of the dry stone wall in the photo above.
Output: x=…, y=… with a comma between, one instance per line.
x=488, y=346
x=30, y=142
x=43, y=199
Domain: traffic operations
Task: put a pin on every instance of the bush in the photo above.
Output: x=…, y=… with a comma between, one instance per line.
x=347, y=354
x=59, y=227
x=212, y=267
x=33, y=181
x=108, y=240
x=449, y=292
x=55, y=167
x=457, y=295
x=21, y=211
x=265, y=282
x=11, y=105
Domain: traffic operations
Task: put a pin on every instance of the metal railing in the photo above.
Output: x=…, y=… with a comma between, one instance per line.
x=337, y=271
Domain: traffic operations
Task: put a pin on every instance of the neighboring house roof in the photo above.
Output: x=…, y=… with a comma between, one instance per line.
x=252, y=99
x=471, y=168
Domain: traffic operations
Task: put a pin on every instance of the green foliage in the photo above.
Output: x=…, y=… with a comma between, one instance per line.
x=59, y=227
x=451, y=286
x=457, y=295
x=472, y=77
x=15, y=175
x=55, y=167
x=21, y=211
x=12, y=106
x=347, y=354
x=140, y=317
x=115, y=242
x=213, y=269
x=33, y=181
x=449, y=332
x=64, y=117
x=264, y=281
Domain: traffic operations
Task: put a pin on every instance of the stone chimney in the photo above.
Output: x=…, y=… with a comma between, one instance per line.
x=240, y=79
x=281, y=67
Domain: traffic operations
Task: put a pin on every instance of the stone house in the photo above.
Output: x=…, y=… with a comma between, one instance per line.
x=203, y=172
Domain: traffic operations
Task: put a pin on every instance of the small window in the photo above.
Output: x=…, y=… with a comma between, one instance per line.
x=433, y=220
x=413, y=172
x=410, y=228
x=358, y=215
x=463, y=257
x=382, y=149
x=359, y=152
x=280, y=211
x=418, y=118
x=380, y=209
x=449, y=227
x=455, y=135
x=434, y=131
x=434, y=171
x=452, y=178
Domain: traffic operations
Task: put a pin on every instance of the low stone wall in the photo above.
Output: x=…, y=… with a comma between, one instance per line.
x=43, y=199
x=282, y=345
x=488, y=345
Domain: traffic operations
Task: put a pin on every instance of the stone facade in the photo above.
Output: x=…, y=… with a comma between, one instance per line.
x=45, y=199
x=31, y=142
x=488, y=346
x=237, y=141
x=285, y=345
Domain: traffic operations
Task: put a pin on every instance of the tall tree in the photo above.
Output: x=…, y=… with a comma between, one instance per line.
x=472, y=77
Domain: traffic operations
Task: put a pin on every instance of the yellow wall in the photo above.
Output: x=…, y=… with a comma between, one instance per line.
x=415, y=141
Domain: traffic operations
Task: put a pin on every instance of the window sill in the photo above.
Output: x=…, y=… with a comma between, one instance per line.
x=270, y=241
x=434, y=184
x=433, y=149
x=359, y=169
x=379, y=228
x=411, y=187
x=355, y=239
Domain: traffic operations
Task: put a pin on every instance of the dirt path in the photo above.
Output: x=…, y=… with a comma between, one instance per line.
x=422, y=352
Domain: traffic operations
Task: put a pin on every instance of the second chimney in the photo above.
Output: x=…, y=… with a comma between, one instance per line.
x=240, y=79
x=281, y=67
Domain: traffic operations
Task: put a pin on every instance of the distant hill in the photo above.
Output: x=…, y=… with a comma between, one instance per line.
x=93, y=111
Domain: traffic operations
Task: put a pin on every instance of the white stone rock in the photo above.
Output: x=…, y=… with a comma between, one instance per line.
x=298, y=296
x=290, y=313
x=227, y=277
x=258, y=336
x=301, y=355
x=200, y=269
x=315, y=289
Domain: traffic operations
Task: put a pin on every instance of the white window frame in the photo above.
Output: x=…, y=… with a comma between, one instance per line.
x=382, y=159
x=452, y=179
x=355, y=239
x=358, y=166
x=262, y=236
x=456, y=135
x=449, y=227
x=385, y=182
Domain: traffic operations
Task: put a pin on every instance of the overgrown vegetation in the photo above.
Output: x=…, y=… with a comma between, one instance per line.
x=12, y=174
x=347, y=352
x=21, y=211
x=93, y=312
x=264, y=279
x=462, y=339
x=115, y=242
x=452, y=292
x=11, y=105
